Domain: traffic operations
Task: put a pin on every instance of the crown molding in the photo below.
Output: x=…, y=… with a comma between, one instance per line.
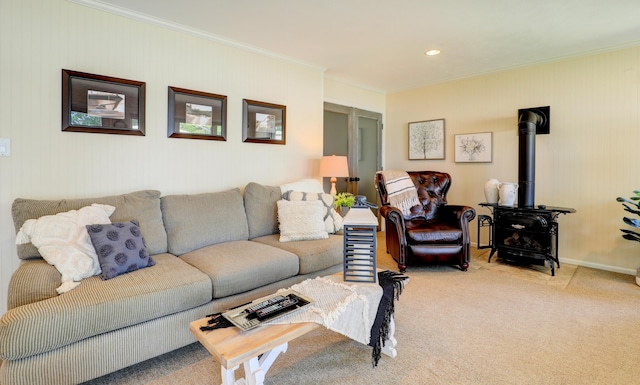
x=101, y=6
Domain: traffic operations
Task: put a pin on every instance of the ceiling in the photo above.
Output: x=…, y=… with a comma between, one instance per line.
x=380, y=45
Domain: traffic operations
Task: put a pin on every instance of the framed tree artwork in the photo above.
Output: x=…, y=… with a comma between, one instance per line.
x=426, y=139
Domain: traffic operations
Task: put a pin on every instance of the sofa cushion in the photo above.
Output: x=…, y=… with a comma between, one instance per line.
x=144, y=206
x=314, y=255
x=236, y=267
x=62, y=240
x=120, y=248
x=301, y=220
x=198, y=220
x=98, y=306
x=332, y=220
x=260, y=205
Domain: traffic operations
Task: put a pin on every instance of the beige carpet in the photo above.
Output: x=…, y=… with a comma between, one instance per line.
x=495, y=324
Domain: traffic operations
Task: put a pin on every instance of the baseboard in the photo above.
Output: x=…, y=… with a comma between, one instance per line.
x=598, y=266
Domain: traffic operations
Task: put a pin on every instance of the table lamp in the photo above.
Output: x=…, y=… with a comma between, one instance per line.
x=334, y=166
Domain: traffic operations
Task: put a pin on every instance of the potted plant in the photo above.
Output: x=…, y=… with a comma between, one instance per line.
x=632, y=205
x=343, y=201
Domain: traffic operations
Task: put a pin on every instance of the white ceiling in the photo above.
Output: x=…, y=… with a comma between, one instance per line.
x=380, y=44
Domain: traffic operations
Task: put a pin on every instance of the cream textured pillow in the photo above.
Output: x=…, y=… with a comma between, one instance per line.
x=332, y=220
x=301, y=221
x=63, y=241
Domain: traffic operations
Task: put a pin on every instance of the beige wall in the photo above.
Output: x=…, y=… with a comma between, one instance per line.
x=589, y=158
x=39, y=38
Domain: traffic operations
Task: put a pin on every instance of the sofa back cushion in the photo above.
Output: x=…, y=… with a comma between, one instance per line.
x=198, y=220
x=262, y=212
x=143, y=206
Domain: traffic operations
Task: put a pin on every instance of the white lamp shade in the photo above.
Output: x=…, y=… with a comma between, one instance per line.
x=334, y=166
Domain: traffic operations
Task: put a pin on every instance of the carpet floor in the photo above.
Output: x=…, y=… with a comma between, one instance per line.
x=498, y=323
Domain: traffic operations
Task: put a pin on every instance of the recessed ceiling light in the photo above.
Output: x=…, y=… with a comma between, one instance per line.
x=432, y=52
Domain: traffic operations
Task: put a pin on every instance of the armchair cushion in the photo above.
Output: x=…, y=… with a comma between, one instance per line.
x=433, y=232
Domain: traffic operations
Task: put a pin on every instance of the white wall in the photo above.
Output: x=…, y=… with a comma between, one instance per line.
x=589, y=158
x=344, y=94
x=39, y=38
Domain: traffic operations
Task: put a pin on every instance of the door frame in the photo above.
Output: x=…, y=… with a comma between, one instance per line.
x=353, y=138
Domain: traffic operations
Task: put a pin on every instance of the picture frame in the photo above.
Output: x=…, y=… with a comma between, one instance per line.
x=427, y=139
x=263, y=122
x=196, y=115
x=474, y=148
x=102, y=104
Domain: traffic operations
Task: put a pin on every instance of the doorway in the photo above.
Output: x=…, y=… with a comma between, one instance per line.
x=356, y=134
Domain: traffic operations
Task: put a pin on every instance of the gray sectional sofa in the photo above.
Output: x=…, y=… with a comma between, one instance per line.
x=212, y=251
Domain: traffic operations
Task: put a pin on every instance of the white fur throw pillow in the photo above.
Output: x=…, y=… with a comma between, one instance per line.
x=301, y=221
x=332, y=220
x=63, y=241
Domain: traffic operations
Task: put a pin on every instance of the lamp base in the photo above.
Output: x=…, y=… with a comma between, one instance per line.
x=333, y=186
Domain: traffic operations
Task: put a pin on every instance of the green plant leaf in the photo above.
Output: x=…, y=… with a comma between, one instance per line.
x=631, y=222
x=632, y=237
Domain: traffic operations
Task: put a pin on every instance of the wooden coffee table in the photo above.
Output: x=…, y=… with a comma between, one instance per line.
x=258, y=348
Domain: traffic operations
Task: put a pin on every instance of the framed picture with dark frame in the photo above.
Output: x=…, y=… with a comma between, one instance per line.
x=263, y=122
x=474, y=148
x=196, y=115
x=102, y=104
x=426, y=139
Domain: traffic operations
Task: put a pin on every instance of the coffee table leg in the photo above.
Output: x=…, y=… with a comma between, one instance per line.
x=256, y=368
x=228, y=375
x=390, y=344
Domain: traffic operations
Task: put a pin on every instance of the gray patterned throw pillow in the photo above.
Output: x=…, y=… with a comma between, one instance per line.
x=120, y=248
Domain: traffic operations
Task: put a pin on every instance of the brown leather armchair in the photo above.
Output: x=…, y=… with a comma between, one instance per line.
x=435, y=233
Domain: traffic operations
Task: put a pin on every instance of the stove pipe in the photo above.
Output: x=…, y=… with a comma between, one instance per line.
x=528, y=122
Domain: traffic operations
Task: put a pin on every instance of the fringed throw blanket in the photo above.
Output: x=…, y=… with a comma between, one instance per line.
x=401, y=191
x=392, y=284
x=346, y=309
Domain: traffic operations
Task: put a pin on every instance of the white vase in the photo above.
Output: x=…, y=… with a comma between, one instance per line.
x=491, y=190
x=507, y=193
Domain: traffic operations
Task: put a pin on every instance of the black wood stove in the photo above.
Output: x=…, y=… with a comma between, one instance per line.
x=525, y=233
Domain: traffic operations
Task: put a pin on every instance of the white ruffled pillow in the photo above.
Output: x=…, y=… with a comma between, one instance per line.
x=63, y=241
x=301, y=220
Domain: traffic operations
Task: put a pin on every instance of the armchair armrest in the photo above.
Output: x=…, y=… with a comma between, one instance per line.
x=460, y=214
x=395, y=235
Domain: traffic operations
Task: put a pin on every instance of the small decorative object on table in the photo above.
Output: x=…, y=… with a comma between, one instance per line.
x=507, y=193
x=491, y=190
x=343, y=202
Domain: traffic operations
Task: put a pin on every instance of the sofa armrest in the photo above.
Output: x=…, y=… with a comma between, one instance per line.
x=34, y=280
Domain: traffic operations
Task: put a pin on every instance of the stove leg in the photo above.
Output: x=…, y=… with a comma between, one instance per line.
x=493, y=250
